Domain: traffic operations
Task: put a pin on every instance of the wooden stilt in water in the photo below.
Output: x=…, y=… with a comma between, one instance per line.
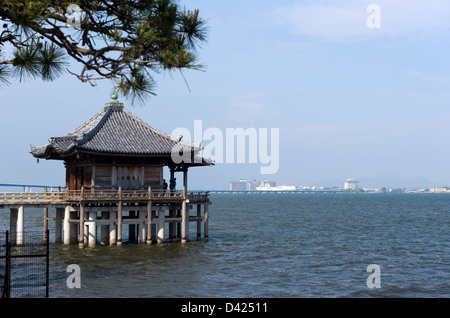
x=199, y=222
x=86, y=228
x=184, y=220
x=104, y=232
x=178, y=213
x=58, y=225
x=149, y=218
x=13, y=213
x=154, y=227
x=45, y=225
x=73, y=226
x=81, y=227
x=206, y=217
x=132, y=228
x=173, y=224
x=119, y=219
x=81, y=224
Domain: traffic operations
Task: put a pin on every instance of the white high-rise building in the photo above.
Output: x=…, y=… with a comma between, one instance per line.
x=351, y=184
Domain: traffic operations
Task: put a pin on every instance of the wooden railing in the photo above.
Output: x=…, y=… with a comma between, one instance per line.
x=34, y=196
x=7, y=198
x=129, y=194
x=197, y=196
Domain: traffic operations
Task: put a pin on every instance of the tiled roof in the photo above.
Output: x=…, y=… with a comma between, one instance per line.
x=113, y=131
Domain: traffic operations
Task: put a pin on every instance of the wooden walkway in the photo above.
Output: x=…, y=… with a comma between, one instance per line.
x=110, y=196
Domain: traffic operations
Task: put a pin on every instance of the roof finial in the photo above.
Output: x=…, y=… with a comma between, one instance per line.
x=114, y=102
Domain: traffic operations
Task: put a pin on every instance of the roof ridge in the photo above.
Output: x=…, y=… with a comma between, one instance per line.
x=92, y=132
x=63, y=137
x=196, y=147
x=153, y=129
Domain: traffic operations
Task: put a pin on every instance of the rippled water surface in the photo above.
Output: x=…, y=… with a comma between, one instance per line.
x=277, y=245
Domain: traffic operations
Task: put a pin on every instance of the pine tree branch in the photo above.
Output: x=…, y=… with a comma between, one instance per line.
x=118, y=40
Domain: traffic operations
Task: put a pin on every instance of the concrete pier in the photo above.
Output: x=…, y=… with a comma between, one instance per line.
x=142, y=230
x=92, y=229
x=67, y=239
x=161, y=227
x=16, y=224
x=112, y=228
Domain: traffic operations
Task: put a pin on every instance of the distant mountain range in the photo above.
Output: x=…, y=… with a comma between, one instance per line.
x=387, y=180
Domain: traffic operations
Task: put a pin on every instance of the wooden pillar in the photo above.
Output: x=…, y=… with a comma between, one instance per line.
x=149, y=223
x=58, y=224
x=13, y=224
x=199, y=222
x=114, y=176
x=119, y=219
x=184, y=220
x=154, y=227
x=104, y=232
x=178, y=224
x=172, y=175
x=187, y=220
x=93, y=178
x=149, y=217
x=132, y=228
x=74, y=227
x=185, y=178
x=172, y=224
x=45, y=224
x=206, y=217
x=81, y=226
x=86, y=228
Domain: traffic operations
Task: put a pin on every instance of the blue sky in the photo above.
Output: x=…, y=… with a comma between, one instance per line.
x=349, y=101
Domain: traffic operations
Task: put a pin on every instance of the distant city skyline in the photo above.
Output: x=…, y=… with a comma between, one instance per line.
x=384, y=180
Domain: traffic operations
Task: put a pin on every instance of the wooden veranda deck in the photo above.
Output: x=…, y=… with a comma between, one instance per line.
x=99, y=196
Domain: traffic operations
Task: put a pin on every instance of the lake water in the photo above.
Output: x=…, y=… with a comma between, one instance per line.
x=276, y=246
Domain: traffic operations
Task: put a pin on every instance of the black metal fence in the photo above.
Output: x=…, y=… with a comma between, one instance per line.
x=24, y=265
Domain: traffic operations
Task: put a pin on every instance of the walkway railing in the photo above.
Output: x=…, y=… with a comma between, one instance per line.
x=69, y=196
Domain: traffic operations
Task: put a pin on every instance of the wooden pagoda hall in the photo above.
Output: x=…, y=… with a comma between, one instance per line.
x=115, y=184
